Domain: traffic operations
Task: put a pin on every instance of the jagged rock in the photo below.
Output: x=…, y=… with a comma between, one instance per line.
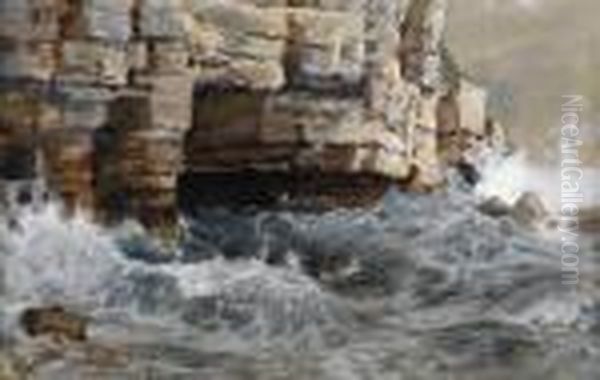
x=54, y=322
x=469, y=172
x=263, y=100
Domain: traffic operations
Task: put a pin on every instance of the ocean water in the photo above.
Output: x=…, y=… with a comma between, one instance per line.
x=420, y=287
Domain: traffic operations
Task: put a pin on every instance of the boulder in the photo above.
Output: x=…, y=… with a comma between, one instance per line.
x=530, y=210
x=495, y=207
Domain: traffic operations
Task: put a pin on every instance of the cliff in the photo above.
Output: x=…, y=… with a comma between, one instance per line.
x=127, y=107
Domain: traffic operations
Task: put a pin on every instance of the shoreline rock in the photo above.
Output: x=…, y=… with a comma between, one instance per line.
x=123, y=108
x=54, y=322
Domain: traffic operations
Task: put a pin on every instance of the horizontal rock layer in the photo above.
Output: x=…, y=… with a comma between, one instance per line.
x=116, y=99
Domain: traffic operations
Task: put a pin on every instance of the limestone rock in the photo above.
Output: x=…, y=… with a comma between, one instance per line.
x=161, y=19
x=422, y=34
x=93, y=62
x=279, y=98
x=68, y=159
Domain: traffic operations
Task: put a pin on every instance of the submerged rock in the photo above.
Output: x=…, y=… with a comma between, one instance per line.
x=484, y=341
x=495, y=207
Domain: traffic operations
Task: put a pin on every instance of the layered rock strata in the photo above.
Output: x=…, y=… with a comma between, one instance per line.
x=122, y=105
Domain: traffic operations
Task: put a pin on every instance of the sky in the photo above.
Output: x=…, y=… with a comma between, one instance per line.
x=529, y=53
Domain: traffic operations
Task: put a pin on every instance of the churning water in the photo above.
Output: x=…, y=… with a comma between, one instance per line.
x=421, y=287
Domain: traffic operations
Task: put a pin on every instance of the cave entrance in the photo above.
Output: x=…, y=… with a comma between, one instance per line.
x=222, y=147
x=18, y=130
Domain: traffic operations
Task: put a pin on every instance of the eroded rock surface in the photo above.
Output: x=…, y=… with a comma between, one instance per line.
x=114, y=101
x=54, y=322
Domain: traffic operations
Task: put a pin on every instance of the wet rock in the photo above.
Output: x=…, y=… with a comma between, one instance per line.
x=265, y=101
x=495, y=207
x=54, y=322
x=469, y=172
x=530, y=210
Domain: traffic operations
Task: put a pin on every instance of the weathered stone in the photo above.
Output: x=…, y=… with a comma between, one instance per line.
x=162, y=19
x=242, y=45
x=29, y=60
x=93, y=63
x=19, y=114
x=353, y=159
x=84, y=107
x=108, y=20
x=137, y=56
x=422, y=34
x=54, y=322
x=425, y=159
x=68, y=159
x=312, y=98
x=171, y=102
x=35, y=20
x=226, y=118
x=167, y=57
x=530, y=210
x=305, y=118
x=325, y=45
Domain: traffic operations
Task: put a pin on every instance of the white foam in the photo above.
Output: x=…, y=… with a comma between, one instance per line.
x=50, y=258
x=508, y=178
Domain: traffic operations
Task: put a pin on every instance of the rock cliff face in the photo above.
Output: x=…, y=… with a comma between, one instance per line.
x=124, y=106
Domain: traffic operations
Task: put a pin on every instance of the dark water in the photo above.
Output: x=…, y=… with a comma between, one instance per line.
x=422, y=287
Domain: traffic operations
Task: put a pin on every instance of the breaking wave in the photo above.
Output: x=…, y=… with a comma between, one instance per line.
x=422, y=287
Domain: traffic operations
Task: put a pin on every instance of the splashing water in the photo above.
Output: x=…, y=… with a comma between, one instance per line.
x=509, y=177
x=423, y=287
x=505, y=178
